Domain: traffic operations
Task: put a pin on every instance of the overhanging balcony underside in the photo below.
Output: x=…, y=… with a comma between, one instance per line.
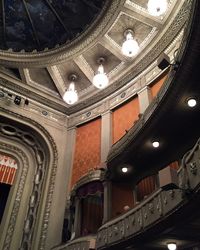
x=168, y=117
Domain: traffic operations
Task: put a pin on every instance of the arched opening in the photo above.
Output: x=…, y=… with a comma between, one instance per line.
x=8, y=169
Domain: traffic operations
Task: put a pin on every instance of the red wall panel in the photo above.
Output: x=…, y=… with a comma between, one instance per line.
x=87, y=149
x=123, y=118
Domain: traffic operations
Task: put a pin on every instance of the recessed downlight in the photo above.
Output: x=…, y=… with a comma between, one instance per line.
x=124, y=169
x=191, y=102
x=171, y=246
x=155, y=144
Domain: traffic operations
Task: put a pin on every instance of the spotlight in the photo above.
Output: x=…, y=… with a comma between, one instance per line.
x=124, y=169
x=155, y=144
x=17, y=100
x=191, y=102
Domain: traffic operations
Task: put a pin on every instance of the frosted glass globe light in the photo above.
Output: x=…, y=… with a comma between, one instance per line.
x=100, y=80
x=192, y=102
x=171, y=246
x=157, y=7
x=124, y=169
x=70, y=96
x=130, y=47
x=155, y=144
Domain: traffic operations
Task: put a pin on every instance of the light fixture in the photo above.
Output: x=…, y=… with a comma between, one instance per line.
x=171, y=246
x=157, y=7
x=124, y=169
x=191, y=102
x=71, y=96
x=100, y=80
x=130, y=46
x=155, y=144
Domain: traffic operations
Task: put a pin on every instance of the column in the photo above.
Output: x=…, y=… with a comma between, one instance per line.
x=144, y=97
x=106, y=134
x=107, y=204
x=71, y=138
x=77, y=217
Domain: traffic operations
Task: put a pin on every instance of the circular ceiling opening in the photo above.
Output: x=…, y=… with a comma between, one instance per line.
x=37, y=25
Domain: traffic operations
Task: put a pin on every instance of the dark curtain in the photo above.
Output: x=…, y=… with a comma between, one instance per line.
x=92, y=214
x=145, y=187
x=4, y=192
x=91, y=188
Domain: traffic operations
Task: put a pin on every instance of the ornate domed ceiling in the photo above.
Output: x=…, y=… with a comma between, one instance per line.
x=44, y=42
x=38, y=25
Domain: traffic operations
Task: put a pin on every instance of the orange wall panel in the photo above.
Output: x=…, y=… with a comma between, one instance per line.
x=122, y=195
x=87, y=149
x=123, y=118
x=157, y=85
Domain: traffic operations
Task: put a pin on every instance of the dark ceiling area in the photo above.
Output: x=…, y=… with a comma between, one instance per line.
x=44, y=24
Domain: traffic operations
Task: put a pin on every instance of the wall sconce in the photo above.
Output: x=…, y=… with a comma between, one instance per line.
x=100, y=80
x=130, y=46
x=70, y=96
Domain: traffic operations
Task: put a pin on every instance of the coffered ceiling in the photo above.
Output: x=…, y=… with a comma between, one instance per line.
x=46, y=68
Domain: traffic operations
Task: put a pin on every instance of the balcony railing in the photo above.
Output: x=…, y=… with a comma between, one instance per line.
x=160, y=205
x=83, y=243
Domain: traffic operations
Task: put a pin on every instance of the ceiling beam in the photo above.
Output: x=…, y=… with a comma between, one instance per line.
x=113, y=47
x=57, y=79
x=140, y=15
x=84, y=67
x=32, y=24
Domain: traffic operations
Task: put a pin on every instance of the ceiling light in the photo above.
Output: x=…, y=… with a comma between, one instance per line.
x=100, y=80
x=124, y=169
x=171, y=246
x=71, y=96
x=130, y=46
x=157, y=7
x=155, y=144
x=191, y=102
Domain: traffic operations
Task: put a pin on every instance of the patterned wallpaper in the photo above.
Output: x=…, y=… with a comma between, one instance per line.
x=123, y=118
x=87, y=149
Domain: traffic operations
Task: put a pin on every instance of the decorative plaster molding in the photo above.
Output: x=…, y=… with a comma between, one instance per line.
x=165, y=40
x=46, y=158
x=70, y=50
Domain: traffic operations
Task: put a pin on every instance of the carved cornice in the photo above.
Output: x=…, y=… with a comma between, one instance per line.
x=68, y=51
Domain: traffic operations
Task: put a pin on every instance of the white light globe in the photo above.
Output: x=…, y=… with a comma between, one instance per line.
x=155, y=144
x=157, y=7
x=192, y=102
x=171, y=246
x=130, y=47
x=70, y=96
x=124, y=169
x=100, y=80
